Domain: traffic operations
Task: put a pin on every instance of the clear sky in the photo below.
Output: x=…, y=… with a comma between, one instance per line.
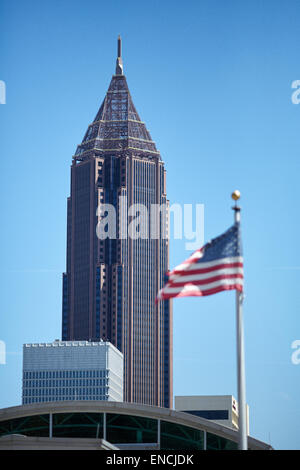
x=212, y=80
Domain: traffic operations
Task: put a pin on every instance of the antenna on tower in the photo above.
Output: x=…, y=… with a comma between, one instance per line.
x=119, y=66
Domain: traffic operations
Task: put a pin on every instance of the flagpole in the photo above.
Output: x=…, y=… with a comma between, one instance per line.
x=240, y=350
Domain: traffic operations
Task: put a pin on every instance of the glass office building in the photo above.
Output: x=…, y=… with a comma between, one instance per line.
x=72, y=370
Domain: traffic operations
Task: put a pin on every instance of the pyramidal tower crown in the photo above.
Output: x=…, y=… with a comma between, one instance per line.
x=117, y=125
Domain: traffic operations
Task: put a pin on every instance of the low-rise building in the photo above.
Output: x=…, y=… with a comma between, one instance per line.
x=222, y=409
x=72, y=370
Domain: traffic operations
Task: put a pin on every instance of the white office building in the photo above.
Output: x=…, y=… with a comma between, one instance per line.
x=72, y=370
x=222, y=409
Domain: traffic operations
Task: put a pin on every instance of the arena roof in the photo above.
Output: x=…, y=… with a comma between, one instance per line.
x=123, y=425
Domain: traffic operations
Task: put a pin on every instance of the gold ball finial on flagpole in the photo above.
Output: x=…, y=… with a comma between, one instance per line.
x=237, y=210
x=236, y=195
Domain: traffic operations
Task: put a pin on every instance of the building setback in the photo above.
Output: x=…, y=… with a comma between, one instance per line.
x=71, y=370
x=110, y=285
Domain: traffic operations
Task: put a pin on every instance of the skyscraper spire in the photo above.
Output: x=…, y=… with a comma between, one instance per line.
x=119, y=46
x=119, y=66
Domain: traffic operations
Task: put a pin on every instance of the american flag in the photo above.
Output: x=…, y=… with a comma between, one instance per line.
x=215, y=267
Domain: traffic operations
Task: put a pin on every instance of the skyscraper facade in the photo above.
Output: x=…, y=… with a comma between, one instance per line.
x=72, y=370
x=111, y=281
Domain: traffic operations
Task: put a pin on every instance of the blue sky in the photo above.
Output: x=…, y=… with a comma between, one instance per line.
x=212, y=80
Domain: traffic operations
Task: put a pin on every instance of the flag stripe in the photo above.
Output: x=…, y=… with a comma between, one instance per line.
x=198, y=282
x=200, y=293
x=193, y=259
x=233, y=267
x=197, y=265
x=172, y=289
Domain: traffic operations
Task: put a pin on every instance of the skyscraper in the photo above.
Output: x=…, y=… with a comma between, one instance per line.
x=110, y=284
